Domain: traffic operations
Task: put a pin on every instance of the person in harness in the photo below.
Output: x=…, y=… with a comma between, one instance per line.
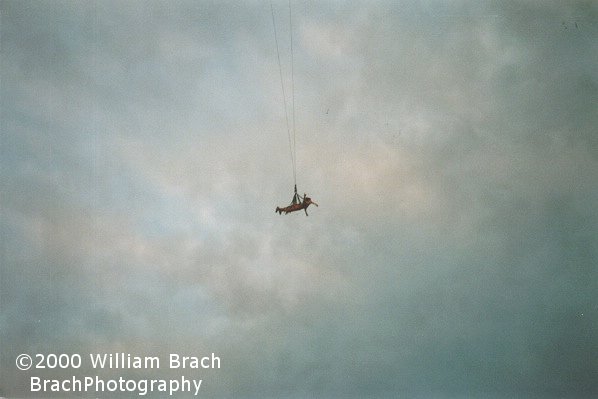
x=297, y=204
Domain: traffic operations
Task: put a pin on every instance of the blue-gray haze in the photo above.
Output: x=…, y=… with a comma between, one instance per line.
x=452, y=147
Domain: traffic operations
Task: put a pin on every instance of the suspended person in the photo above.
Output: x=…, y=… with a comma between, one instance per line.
x=297, y=203
x=297, y=206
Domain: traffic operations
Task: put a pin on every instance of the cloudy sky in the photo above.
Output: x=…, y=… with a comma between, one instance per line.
x=452, y=148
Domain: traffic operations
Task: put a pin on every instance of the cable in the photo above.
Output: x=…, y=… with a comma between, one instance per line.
x=286, y=114
x=293, y=90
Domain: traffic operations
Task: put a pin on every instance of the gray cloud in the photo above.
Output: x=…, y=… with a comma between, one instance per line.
x=452, y=149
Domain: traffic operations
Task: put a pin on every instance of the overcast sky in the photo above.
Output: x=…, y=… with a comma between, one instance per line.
x=452, y=147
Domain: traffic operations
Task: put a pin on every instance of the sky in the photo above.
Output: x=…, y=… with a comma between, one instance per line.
x=452, y=147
